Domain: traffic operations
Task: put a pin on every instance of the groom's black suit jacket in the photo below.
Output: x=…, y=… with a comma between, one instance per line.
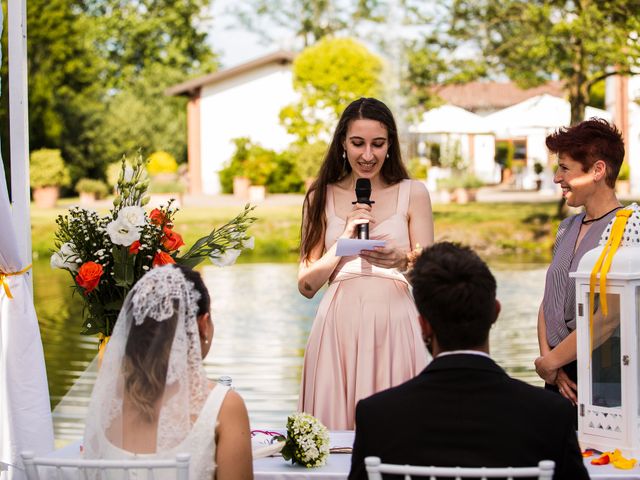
x=464, y=410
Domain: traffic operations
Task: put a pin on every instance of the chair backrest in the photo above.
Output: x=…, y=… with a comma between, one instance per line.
x=85, y=469
x=375, y=469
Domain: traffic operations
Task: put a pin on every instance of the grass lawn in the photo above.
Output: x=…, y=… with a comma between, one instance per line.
x=522, y=232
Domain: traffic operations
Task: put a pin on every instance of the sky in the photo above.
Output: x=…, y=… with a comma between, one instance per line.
x=235, y=44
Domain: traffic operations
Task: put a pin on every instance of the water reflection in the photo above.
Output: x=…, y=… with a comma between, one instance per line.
x=261, y=327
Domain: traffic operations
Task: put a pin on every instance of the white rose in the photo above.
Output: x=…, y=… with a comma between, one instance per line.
x=227, y=258
x=68, y=249
x=249, y=243
x=122, y=232
x=132, y=215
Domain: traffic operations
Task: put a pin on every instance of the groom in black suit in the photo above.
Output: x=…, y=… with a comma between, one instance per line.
x=463, y=409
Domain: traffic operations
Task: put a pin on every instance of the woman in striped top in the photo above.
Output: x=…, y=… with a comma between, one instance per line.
x=589, y=158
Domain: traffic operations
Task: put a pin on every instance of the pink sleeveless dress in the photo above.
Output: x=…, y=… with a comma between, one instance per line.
x=365, y=337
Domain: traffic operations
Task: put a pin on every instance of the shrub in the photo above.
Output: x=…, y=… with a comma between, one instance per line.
x=261, y=166
x=625, y=172
x=90, y=185
x=538, y=168
x=418, y=168
x=504, y=154
x=308, y=157
x=161, y=162
x=47, y=169
x=467, y=180
x=166, y=186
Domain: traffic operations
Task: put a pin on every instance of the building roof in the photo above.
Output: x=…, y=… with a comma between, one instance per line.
x=450, y=119
x=474, y=96
x=190, y=87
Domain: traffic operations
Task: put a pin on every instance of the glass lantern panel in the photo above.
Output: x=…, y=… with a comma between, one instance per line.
x=606, y=386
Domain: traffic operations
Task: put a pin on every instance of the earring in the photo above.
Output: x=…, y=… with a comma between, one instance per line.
x=206, y=341
x=344, y=162
x=344, y=154
x=387, y=154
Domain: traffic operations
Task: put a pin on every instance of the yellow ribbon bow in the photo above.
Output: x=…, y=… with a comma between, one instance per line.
x=3, y=279
x=603, y=264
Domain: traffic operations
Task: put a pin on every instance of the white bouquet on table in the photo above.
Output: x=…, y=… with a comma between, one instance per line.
x=307, y=441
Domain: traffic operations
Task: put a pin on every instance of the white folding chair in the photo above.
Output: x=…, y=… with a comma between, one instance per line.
x=375, y=469
x=79, y=468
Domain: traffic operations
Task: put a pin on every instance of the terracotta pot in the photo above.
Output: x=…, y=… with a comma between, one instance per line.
x=46, y=197
x=87, y=198
x=241, y=187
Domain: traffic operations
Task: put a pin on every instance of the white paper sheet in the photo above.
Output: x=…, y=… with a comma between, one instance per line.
x=353, y=246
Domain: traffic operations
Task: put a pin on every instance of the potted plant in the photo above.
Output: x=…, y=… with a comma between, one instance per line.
x=91, y=190
x=623, y=185
x=47, y=174
x=463, y=187
x=538, y=168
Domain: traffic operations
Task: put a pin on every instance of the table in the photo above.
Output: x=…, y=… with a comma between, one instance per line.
x=338, y=465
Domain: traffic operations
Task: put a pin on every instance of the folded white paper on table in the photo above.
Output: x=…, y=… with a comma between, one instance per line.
x=352, y=246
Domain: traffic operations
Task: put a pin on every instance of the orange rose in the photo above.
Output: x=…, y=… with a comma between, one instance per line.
x=171, y=240
x=89, y=276
x=158, y=217
x=134, y=248
x=162, y=258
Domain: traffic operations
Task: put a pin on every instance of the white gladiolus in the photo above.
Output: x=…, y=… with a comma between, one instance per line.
x=227, y=258
x=132, y=215
x=122, y=232
x=249, y=243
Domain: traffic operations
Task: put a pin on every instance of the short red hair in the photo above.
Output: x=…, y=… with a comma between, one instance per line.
x=589, y=141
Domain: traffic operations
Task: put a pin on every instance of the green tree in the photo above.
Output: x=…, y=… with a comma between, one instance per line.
x=328, y=76
x=308, y=20
x=580, y=42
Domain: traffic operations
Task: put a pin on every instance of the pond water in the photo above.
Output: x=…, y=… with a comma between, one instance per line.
x=261, y=327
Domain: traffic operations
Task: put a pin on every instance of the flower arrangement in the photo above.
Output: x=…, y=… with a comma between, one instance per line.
x=307, y=441
x=106, y=255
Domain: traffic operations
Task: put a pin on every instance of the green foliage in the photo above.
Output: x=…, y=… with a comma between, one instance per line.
x=328, y=76
x=533, y=41
x=451, y=155
x=161, y=162
x=504, y=153
x=308, y=157
x=466, y=180
x=418, y=168
x=47, y=169
x=261, y=166
x=97, y=74
x=90, y=185
x=166, y=186
x=625, y=172
x=309, y=20
x=538, y=168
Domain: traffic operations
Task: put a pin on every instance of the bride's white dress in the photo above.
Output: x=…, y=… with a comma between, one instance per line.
x=200, y=443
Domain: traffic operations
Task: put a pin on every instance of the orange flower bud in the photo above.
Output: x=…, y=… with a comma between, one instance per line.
x=171, y=240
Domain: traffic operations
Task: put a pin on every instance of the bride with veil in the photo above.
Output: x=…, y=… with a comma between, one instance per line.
x=152, y=398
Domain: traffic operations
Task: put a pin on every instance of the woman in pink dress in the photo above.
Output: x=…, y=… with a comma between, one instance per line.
x=365, y=337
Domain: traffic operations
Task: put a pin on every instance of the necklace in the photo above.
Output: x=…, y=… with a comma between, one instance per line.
x=591, y=220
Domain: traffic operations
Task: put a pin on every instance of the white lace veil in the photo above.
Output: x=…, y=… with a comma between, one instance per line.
x=152, y=368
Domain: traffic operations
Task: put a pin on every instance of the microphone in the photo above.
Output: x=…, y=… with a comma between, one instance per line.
x=363, y=195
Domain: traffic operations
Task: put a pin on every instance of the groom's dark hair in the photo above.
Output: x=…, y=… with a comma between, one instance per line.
x=455, y=292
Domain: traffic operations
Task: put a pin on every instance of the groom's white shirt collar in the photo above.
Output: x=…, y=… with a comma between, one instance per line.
x=466, y=352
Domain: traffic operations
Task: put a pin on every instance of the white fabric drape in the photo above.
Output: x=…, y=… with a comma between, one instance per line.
x=25, y=413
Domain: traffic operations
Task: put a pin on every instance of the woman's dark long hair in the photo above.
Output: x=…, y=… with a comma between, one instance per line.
x=334, y=168
x=148, y=349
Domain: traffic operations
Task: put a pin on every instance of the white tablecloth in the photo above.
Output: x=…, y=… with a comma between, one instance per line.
x=338, y=465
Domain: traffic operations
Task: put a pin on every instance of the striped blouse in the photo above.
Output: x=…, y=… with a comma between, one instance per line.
x=559, y=301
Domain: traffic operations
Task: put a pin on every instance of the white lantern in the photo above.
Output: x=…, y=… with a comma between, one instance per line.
x=608, y=340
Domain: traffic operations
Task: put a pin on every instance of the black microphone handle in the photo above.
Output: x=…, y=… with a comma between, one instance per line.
x=363, y=231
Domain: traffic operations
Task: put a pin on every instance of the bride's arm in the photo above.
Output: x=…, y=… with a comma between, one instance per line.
x=233, y=440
